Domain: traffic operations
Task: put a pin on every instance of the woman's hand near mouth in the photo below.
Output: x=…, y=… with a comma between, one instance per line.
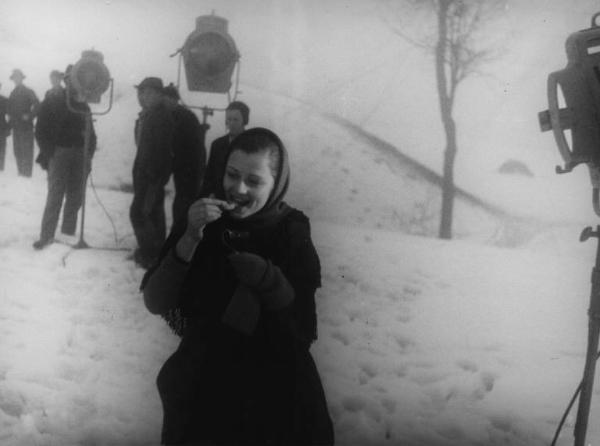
x=200, y=213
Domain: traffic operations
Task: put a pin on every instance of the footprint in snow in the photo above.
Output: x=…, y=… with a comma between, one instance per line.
x=486, y=385
x=467, y=365
x=389, y=405
x=367, y=372
x=353, y=403
x=410, y=293
x=342, y=337
x=404, y=342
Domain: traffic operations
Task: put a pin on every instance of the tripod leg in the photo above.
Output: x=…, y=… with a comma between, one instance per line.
x=585, y=398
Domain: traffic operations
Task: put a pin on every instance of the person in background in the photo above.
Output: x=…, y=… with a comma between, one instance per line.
x=4, y=129
x=151, y=170
x=22, y=108
x=59, y=132
x=237, y=116
x=238, y=285
x=56, y=79
x=189, y=156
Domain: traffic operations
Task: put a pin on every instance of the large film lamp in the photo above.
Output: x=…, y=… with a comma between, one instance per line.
x=90, y=77
x=579, y=83
x=209, y=56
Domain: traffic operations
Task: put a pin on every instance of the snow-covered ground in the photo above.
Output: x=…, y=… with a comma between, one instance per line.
x=421, y=341
x=475, y=341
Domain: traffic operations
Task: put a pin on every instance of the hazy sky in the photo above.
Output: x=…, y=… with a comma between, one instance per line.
x=339, y=55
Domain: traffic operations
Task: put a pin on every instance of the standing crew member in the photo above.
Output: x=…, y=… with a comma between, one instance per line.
x=56, y=78
x=189, y=155
x=4, y=129
x=151, y=170
x=60, y=134
x=237, y=115
x=22, y=108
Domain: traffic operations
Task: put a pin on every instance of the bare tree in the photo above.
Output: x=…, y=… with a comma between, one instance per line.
x=459, y=47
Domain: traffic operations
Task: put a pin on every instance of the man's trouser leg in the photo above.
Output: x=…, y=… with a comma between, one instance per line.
x=74, y=192
x=23, y=148
x=58, y=169
x=159, y=219
x=2, y=151
x=143, y=214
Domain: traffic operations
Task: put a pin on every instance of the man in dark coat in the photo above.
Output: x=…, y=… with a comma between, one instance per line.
x=60, y=133
x=56, y=78
x=189, y=156
x=4, y=129
x=151, y=170
x=22, y=108
x=237, y=115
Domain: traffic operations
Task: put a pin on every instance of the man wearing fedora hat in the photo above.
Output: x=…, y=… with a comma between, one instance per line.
x=151, y=170
x=60, y=133
x=22, y=108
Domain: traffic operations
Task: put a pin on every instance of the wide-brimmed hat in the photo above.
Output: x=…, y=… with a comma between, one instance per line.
x=151, y=82
x=17, y=74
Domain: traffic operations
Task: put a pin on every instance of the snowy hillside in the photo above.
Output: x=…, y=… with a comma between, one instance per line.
x=420, y=341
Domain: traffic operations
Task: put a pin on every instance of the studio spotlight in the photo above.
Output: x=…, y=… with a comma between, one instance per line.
x=209, y=56
x=90, y=77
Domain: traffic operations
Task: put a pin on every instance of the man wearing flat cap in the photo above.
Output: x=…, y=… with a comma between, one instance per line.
x=22, y=108
x=151, y=170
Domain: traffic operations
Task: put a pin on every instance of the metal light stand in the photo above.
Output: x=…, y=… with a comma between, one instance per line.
x=82, y=244
x=587, y=382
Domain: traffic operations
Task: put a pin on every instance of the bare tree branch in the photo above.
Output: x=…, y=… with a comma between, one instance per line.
x=460, y=50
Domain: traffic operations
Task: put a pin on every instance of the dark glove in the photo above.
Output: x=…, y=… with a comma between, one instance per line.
x=43, y=160
x=271, y=286
x=249, y=268
x=243, y=311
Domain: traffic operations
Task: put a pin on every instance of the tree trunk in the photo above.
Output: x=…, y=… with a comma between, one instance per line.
x=448, y=181
x=446, y=101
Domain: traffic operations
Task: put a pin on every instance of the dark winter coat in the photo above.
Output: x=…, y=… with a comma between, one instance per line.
x=215, y=167
x=243, y=387
x=22, y=107
x=4, y=127
x=154, y=139
x=62, y=125
x=189, y=153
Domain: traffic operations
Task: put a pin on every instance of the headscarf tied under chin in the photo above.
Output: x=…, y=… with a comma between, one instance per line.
x=271, y=213
x=275, y=208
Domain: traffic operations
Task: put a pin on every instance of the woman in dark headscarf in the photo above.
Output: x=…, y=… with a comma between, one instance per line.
x=239, y=287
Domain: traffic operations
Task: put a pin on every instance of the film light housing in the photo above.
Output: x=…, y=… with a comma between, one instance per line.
x=209, y=56
x=90, y=77
x=579, y=82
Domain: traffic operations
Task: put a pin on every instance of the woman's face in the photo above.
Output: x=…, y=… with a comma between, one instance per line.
x=248, y=182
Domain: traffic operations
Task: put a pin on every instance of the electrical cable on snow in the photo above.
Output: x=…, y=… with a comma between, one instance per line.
x=564, y=417
x=112, y=222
